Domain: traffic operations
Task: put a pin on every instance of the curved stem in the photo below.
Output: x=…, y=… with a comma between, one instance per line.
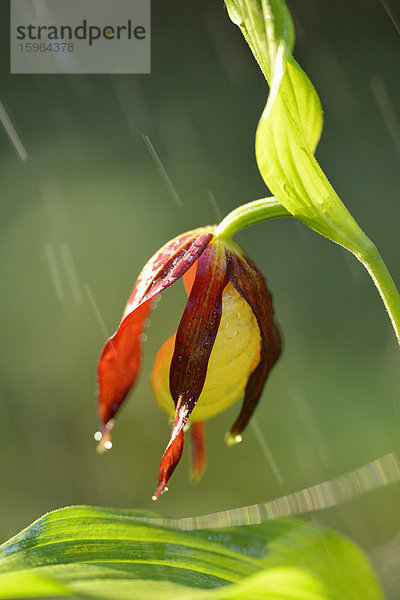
x=270, y=208
x=373, y=262
x=250, y=214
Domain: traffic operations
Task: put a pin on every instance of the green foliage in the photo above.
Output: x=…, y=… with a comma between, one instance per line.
x=291, y=124
x=287, y=135
x=91, y=552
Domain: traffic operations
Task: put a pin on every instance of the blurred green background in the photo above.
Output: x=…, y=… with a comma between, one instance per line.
x=87, y=209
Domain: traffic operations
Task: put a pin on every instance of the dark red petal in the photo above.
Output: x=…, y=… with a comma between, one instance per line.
x=120, y=359
x=119, y=363
x=198, y=452
x=168, y=463
x=197, y=332
x=250, y=283
x=168, y=265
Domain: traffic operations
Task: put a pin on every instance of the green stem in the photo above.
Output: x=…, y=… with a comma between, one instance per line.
x=373, y=262
x=250, y=214
x=270, y=208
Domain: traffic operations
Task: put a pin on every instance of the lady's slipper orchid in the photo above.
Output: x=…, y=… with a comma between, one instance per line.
x=226, y=344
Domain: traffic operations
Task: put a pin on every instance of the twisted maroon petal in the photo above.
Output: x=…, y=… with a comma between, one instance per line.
x=195, y=337
x=169, y=461
x=120, y=359
x=250, y=283
x=197, y=332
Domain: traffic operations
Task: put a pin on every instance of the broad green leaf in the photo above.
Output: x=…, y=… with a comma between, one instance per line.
x=290, y=126
x=89, y=552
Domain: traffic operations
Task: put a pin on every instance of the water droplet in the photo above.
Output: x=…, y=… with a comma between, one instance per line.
x=143, y=337
x=231, y=440
x=158, y=494
x=108, y=445
x=97, y=436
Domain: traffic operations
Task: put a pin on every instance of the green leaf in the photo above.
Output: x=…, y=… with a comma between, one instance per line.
x=290, y=126
x=287, y=135
x=102, y=554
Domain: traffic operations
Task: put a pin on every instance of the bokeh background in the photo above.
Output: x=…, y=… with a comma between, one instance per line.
x=84, y=212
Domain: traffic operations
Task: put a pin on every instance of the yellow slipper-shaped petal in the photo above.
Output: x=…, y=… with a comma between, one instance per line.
x=235, y=355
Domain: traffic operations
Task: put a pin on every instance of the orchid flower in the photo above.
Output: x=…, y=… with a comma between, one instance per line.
x=225, y=346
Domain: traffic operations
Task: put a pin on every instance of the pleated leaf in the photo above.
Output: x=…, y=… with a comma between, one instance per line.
x=101, y=554
x=290, y=126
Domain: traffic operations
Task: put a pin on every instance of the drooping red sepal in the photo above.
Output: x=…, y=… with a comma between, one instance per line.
x=250, y=283
x=120, y=359
x=118, y=368
x=169, y=461
x=197, y=332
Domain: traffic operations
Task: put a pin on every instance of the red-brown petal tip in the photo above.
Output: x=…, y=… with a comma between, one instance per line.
x=104, y=437
x=169, y=461
x=162, y=488
x=198, y=454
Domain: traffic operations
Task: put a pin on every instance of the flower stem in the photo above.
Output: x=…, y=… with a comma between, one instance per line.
x=270, y=208
x=250, y=214
x=373, y=262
